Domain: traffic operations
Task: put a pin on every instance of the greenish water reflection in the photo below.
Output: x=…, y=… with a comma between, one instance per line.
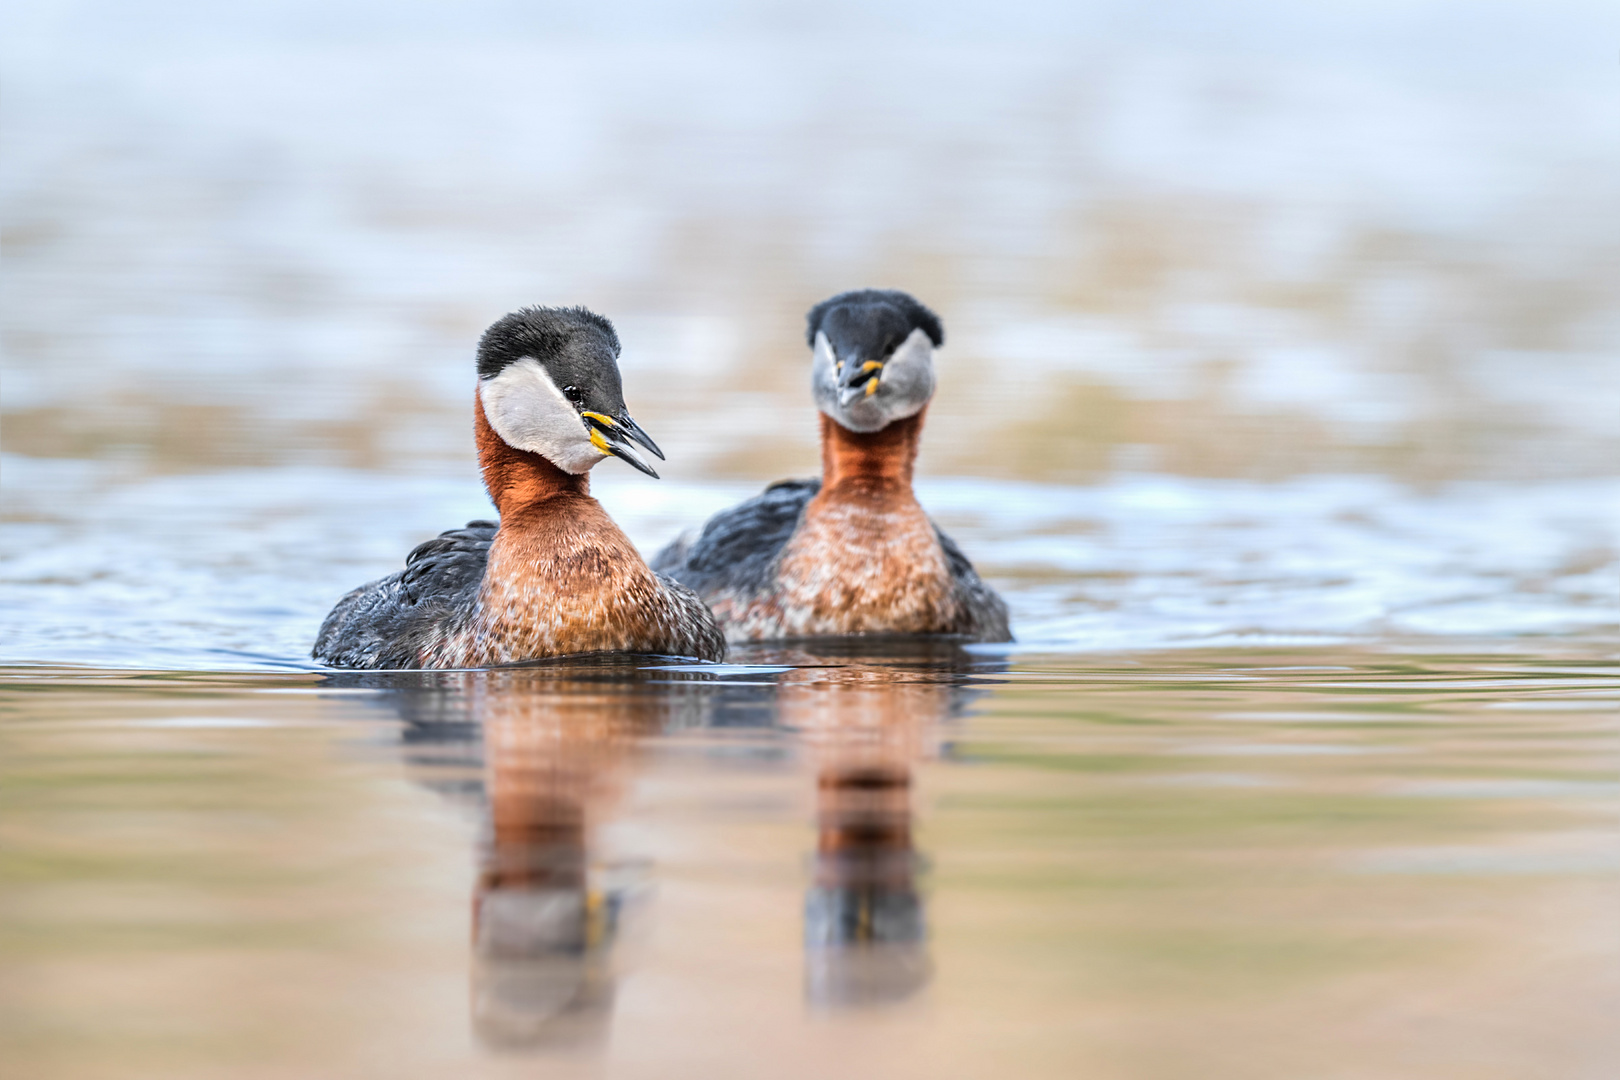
x=892, y=863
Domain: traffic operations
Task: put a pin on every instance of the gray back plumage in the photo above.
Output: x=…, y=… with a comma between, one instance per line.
x=984, y=612
x=737, y=550
x=387, y=623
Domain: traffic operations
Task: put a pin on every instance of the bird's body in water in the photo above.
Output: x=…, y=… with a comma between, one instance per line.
x=556, y=576
x=854, y=552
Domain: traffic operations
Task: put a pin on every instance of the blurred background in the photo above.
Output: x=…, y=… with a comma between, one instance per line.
x=1345, y=271
x=1280, y=335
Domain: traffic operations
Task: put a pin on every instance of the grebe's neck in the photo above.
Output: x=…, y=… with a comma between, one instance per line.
x=562, y=578
x=515, y=478
x=883, y=458
x=864, y=558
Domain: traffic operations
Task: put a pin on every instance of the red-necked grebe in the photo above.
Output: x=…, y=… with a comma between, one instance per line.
x=853, y=552
x=557, y=576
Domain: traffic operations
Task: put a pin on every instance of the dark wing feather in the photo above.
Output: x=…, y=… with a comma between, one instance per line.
x=385, y=624
x=983, y=612
x=737, y=547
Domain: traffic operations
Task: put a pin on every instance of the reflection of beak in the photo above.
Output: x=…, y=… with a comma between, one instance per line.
x=852, y=377
x=614, y=436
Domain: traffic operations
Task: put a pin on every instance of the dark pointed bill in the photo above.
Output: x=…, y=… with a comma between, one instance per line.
x=633, y=429
x=614, y=436
x=853, y=376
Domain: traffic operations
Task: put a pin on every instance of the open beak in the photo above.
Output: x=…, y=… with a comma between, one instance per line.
x=858, y=379
x=613, y=435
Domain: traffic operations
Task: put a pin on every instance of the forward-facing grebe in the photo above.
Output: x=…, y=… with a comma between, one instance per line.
x=557, y=576
x=853, y=552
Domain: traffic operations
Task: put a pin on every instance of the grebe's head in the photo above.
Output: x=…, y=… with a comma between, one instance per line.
x=548, y=379
x=874, y=357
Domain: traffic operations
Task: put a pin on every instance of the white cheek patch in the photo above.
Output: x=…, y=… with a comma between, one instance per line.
x=904, y=386
x=527, y=411
x=908, y=378
x=824, y=374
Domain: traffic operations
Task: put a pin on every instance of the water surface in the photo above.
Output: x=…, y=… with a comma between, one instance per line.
x=872, y=861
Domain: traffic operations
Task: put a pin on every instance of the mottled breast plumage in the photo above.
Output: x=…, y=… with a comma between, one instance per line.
x=409, y=618
x=736, y=564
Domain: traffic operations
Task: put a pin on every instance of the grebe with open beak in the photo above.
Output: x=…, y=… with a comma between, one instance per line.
x=853, y=552
x=556, y=577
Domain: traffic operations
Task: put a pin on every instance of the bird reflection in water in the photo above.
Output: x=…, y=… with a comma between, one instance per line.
x=544, y=752
x=543, y=918
x=866, y=723
x=864, y=932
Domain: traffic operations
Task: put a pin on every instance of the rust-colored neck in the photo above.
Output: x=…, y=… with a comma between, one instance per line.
x=886, y=457
x=519, y=478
